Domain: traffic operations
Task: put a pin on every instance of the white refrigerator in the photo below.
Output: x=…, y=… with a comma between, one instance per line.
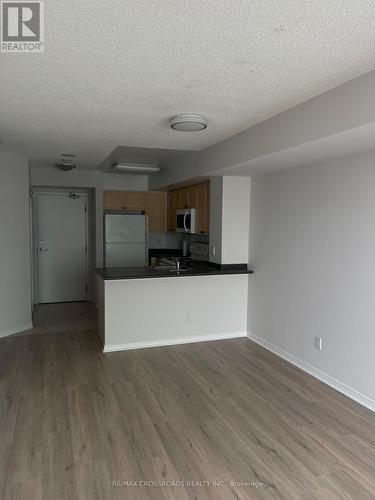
x=125, y=240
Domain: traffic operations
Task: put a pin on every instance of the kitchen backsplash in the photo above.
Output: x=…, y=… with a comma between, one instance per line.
x=174, y=240
x=203, y=238
x=165, y=240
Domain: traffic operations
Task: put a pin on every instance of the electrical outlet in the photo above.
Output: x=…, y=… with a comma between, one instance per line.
x=213, y=250
x=318, y=343
x=187, y=318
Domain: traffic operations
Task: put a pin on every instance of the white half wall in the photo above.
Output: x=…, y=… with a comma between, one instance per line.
x=15, y=280
x=313, y=252
x=164, y=311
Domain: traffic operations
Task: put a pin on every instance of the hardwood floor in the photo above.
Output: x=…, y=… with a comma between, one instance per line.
x=63, y=317
x=74, y=421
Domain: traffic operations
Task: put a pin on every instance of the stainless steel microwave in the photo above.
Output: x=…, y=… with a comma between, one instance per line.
x=186, y=220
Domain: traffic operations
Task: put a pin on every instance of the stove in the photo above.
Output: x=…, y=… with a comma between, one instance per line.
x=199, y=251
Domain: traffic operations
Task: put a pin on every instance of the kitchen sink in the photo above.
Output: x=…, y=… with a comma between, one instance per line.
x=172, y=269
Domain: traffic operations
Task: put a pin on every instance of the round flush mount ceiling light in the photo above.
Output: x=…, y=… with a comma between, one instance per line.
x=188, y=123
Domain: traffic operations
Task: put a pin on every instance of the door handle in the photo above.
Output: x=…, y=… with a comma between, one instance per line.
x=42, y=250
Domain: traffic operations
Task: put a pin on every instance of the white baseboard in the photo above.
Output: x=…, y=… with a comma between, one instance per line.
x=166, y=342
x=360, y=398
x=20, y=329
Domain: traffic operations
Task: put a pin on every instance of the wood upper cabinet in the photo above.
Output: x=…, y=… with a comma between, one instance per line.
x=112, y=200
x=184, y=199
x=197, y=197
x=153, y=203
x=156, y=209
x=172, y=207
x=124, y=200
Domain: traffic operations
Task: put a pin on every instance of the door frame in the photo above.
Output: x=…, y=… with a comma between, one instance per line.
x=35, y=230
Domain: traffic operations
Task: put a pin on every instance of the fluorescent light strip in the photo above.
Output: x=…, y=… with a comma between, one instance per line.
x=136, y=168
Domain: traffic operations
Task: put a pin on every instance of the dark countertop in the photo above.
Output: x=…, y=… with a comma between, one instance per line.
x=195, y=269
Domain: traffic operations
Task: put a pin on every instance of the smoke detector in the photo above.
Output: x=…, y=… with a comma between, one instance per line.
x=188, y=123
x=66, y=164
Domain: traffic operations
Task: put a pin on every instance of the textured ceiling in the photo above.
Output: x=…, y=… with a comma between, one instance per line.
x=114, y=71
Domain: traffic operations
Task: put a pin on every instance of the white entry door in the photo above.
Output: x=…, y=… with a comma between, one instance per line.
x=61, y=247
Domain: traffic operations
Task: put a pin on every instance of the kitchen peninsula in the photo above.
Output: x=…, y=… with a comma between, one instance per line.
x=146, y=307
